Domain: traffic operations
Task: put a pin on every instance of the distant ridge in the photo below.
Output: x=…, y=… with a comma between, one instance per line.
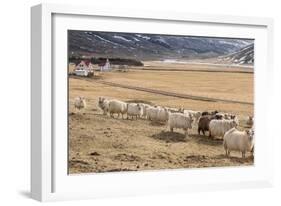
x=150, y=46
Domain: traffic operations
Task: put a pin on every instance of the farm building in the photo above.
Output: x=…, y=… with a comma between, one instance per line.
x=84, y=68
x=104, y=67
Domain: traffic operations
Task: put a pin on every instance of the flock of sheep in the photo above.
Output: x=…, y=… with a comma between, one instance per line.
x=218, y=124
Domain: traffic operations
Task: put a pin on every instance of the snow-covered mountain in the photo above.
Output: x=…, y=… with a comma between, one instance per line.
x=150, y=46
x=243, y=56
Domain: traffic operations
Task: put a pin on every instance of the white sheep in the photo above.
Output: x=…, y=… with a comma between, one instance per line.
x=157, y=114
x=235, y=140
x=181, y=121
x=174, y=110
x=220, y=127
x=103, y=103
x=117, y=107
x=163, y=115
x=195, y=114
x=144, y=110
x=151, y=113
x=134, y=110
x=79, y=103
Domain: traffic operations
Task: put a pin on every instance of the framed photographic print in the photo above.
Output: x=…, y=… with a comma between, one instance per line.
x=138, y=102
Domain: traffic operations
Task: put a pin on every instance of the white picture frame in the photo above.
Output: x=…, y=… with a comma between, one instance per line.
x=49, y=179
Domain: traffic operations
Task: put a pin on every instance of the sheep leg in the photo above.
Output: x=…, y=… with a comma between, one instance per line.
x=171, y=129
x=199, y=130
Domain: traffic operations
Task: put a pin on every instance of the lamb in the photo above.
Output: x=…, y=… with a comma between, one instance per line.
x=235, y=140
x=134, y=110
x=220, y=127
x=118, y=107
x=79, y=103
x=181, y=121
x=103, y=103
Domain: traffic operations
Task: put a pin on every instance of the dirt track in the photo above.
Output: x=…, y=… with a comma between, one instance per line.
x=166, y=93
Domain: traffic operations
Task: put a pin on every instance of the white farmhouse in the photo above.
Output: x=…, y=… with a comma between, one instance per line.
x=84, y=68
x=104, y=67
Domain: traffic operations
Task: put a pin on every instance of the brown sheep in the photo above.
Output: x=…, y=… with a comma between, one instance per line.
x=203, y=124
x=204, y=121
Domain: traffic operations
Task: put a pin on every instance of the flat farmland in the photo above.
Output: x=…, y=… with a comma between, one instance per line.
x=99, y=143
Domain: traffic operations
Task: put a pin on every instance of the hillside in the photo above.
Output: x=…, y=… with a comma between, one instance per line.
x=150, y=46
x=243, y=56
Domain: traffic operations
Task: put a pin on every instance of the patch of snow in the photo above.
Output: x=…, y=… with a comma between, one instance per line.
x=136, y=39
x=236, y=43
x=142, y=36
x=103, y=39
x=122, y=38
x=162, y=40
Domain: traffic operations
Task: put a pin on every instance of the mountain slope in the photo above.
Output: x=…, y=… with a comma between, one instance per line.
x=149, y=46
x=243, y=56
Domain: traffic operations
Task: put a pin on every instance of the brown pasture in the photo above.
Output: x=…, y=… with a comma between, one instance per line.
x=98, y=143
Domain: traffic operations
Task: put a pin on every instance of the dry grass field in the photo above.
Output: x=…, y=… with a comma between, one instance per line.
x=99, y=143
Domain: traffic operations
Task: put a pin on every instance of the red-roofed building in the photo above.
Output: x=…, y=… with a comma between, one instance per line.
x=84, y=68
